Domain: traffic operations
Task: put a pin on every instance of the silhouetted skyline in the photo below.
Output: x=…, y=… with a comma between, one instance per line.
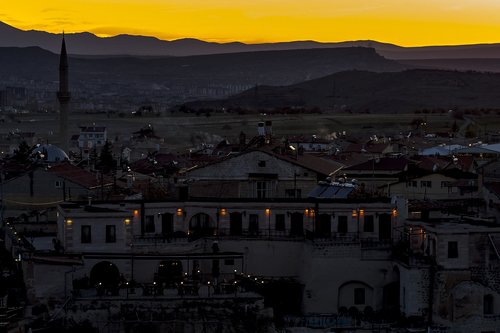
x=407, y=23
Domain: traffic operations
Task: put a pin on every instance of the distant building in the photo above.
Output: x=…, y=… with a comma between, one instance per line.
x=48, y=153
x=48, y=187
x=309, y=143
x=91, y=138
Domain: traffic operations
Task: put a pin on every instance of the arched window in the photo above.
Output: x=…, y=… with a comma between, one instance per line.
x=356, y=294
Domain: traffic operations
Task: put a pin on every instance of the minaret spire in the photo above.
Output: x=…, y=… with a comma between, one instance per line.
x=63, y=95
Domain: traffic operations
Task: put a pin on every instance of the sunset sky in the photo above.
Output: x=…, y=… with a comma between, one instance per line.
x=403, y=22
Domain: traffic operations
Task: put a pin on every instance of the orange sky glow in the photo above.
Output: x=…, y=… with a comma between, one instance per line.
x=402, y=22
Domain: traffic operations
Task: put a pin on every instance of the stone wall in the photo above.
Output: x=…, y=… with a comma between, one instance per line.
x=414, y=290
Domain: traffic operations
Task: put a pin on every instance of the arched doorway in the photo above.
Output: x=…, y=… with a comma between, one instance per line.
x=297, y=224
x=170, y=272
x=105, y=274
x=201, y=225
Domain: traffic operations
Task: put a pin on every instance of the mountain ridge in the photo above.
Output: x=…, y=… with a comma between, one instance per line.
x=369, y=92
x=85, y=43
x=191, y=77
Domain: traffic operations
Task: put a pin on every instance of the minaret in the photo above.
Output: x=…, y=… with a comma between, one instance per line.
x=63, y=96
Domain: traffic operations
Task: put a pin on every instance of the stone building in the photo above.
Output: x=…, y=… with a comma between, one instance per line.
x=450, y=273
x=259, y=174
x=338, y=251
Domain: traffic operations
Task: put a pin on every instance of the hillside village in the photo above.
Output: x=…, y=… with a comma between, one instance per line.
x=270, y=232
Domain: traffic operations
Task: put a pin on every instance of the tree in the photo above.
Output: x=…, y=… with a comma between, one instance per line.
x=22, y=153
x=106, y=161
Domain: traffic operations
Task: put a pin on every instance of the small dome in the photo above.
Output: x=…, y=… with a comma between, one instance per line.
x=50, y=153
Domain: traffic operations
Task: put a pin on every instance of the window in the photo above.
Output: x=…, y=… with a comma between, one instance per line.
x=167, y=224
x=359, y=296
x=261, y=189
x=261, y=164
x=59, y=184
x=110, y=234
x=488, y=304
x=293, y=193
x=368, y=225
x=445, y=184
x=280, y=222
x=425, y=183
x=150, y=223
x=229, y=262
x=342, y=227
x=411, y=183
x=253, y=224
x=452, y=249
x=86, y=236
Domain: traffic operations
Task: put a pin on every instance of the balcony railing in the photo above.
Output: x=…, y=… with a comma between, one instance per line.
x=227, y=233
x=265, y=234
x=160, y=239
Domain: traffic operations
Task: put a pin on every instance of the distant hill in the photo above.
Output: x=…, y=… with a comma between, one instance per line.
x=88, y=44
x=362, y=91
x=177, y=73
x=473, y=64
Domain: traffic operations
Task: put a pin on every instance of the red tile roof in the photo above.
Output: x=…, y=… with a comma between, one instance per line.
x=78, y=175
x=383, y=163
